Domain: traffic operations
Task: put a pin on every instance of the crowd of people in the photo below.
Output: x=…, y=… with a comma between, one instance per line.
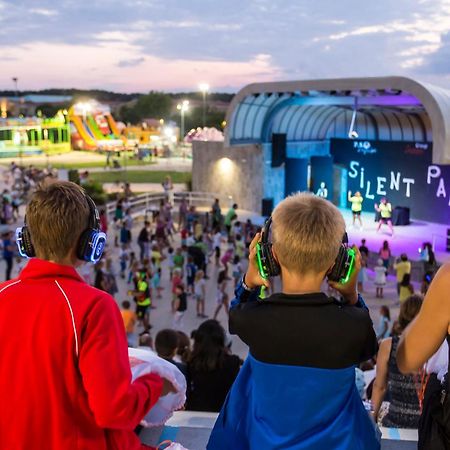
x=183, y=250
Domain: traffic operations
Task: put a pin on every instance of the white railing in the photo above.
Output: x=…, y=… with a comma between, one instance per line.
x=150, y=201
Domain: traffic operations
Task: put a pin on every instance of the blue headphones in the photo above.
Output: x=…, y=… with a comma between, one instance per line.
x=90, y=245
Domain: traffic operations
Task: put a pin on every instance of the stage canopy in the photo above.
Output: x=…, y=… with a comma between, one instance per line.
x=387, y=108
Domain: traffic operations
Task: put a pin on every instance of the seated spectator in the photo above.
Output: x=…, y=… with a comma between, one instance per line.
x=297, y=390
x=404, y=410
x=166, y=346
x=211, y=369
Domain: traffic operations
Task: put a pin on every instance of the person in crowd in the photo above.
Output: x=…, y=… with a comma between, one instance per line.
x=182, y=213
x=230, y=217
x=380, y=278
x=216, y=212
x=384, y=326
x=200, y=293
x=179, y=307
x=222, y=297
x=168, y=189
x=110, y=275
x=237, y=269
x=143, y=241
x=404, y=408
x=402, y=267
x=211, y=369
x=406, y=288
x=8, y=253
x=101, y=280
x=302, y=343
x=129, y=320
x=103, y=220
x=73, y=338
x=125, y=234
x=143, y=298
x=429, y=259
x=166, y=346
x=178, y=260
x=217, y=242
x=124, y=257
x=356, y=200
x=385, y=211
x=177, y=279
x=184, y=348
x=362, y=275
x=118, y=213
x=364, y=250
x=385, y=254
x=322, y=191
x=191, y=270
x=156, y=281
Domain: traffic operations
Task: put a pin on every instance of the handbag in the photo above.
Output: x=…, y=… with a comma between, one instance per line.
x=434, y=424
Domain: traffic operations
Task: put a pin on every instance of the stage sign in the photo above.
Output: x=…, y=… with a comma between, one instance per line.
x=401, y=171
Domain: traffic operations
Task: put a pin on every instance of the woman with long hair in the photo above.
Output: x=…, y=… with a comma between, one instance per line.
x=404, y=407
x=211, y=369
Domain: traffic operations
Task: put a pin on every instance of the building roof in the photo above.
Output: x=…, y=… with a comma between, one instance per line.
x=387, y=108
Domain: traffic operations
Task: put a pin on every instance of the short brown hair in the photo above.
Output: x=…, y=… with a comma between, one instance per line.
x=56, y=215
x=307, y=233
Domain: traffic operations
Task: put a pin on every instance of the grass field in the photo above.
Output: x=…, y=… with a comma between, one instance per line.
x=92, y=164
x=139, y=176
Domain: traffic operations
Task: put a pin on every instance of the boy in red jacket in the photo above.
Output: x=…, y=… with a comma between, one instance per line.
x=65, y=379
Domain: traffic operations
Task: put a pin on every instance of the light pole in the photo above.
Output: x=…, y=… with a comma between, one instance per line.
x=204, y=89
x=182, y=107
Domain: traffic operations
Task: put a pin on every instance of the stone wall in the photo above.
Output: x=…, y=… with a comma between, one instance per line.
x=236, y=173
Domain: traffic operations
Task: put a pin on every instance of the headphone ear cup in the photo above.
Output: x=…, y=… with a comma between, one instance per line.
x=27, y=244
x=84, y=247
x=272, y=265
x=339, y=265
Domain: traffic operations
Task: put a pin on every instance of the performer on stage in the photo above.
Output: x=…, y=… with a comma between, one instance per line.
x=356, y=201
x=322, y=191
x=385, y=210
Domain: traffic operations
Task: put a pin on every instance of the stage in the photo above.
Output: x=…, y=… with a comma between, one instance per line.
x=407, y=239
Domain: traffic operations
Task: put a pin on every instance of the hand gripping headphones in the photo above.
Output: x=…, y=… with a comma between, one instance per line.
x=269, y=267
x=90, y=245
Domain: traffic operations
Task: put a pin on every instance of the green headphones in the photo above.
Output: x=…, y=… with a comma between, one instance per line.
x=269, y=267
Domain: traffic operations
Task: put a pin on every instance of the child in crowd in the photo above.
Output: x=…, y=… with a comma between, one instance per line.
x=226, y=258
x=362, y=275
x=239, y=246
x=129, y=320
x=178, y=260
x=217, y=242
x=191, y=269
x=237, y=269
x=170, y=264
x=288, y=399
x=184, y=234
x=166, y=346
x=123, y=259
x=177, y=279
x=132, y=271
x=222, y=295
x=380, y=278
x=156, y=281
x=200, y=293
x=184, y=348
x=406, y=288
x=384, y=327
x=179, y=307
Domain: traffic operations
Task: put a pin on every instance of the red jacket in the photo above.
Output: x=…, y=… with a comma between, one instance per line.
x=65, y=379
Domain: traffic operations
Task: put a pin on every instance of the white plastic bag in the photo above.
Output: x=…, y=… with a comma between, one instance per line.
x=143, y=362
x=172, y=446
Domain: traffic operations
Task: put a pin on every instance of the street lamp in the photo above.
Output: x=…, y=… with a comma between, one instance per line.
x=204, y=89
x=182, y=107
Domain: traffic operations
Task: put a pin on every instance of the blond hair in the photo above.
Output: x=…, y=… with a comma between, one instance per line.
x=56, y=215
x=307, y=232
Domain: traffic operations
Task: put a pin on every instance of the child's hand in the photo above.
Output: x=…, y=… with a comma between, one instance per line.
x=252, y=278
x=349, y=290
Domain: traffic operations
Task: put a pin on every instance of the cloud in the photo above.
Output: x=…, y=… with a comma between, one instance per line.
x=131, y=62
x=301, y=39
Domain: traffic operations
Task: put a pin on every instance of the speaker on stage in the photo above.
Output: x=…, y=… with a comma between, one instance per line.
x=448, y=240
x=278, y=149
x=267, y=207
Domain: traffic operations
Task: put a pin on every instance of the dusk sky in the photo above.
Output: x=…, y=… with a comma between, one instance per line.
x=172, y=45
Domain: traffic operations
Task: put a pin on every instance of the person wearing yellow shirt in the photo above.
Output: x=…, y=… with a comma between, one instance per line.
x=356, y=200
x=385, y=210
x=402, y=267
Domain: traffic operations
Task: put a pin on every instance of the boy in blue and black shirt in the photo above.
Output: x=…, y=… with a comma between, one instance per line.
x=297, y=388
